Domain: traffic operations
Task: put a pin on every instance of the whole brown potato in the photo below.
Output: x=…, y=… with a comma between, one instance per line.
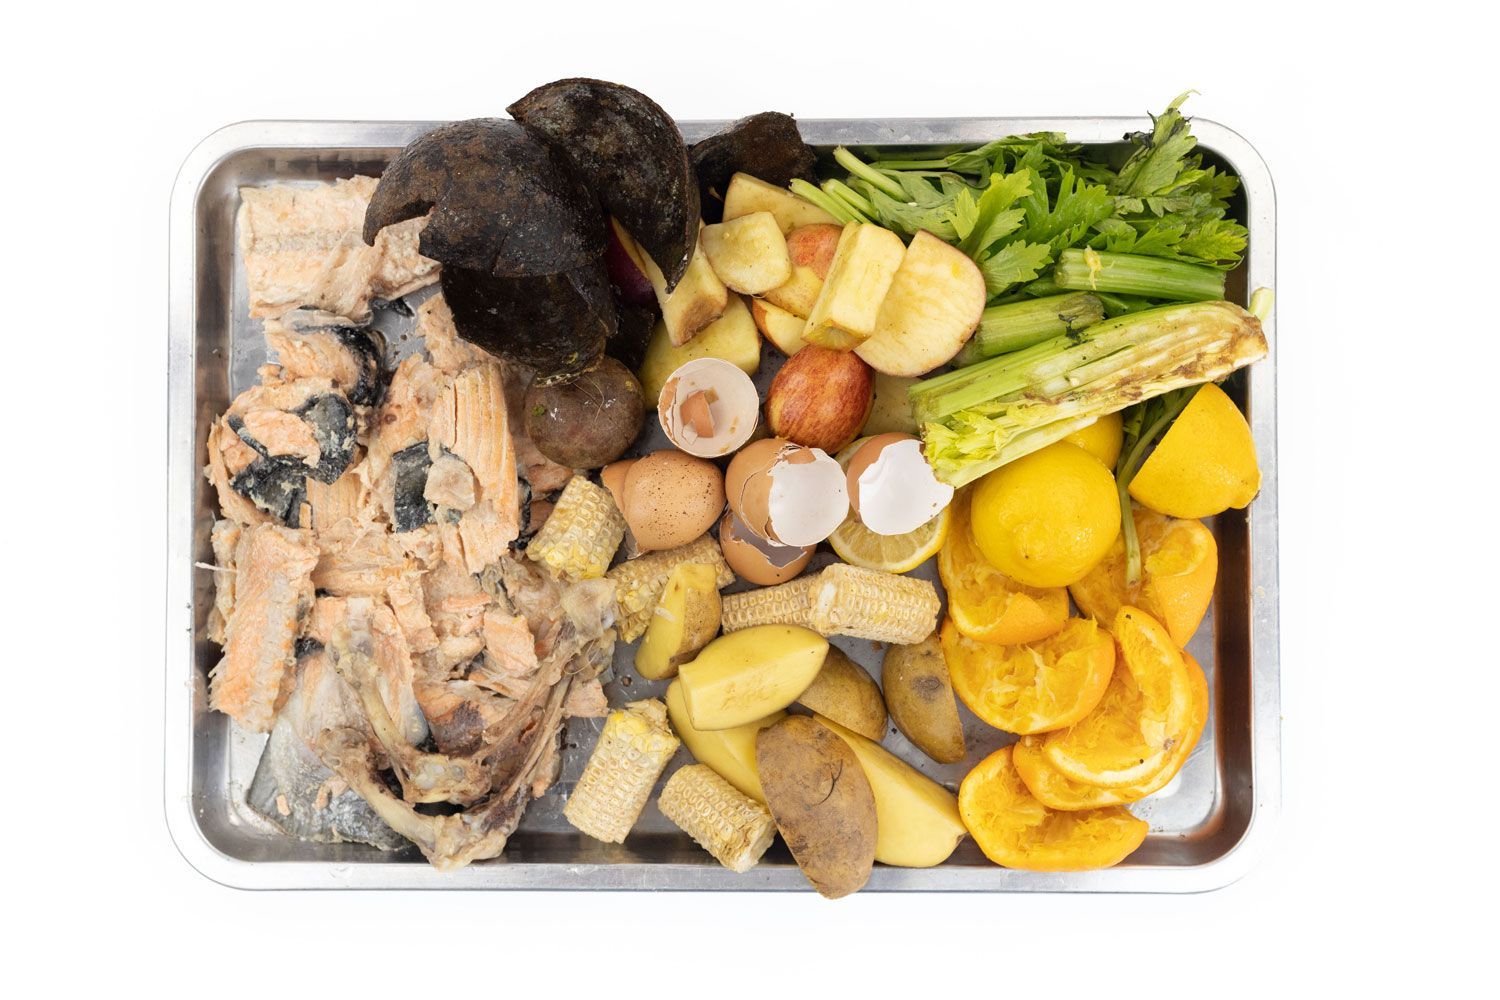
x=821, y=800
x=589, y=421
x=919, y=694
x=845, y=693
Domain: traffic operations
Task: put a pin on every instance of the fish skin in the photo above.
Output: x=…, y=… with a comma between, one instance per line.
x=293, y=788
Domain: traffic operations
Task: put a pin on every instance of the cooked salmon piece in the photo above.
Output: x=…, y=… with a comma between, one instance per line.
x=272, y=595
x=450, y=484
x=445, y=349
x=586, y=700
x=224, y=538
x=366, y=561
x=409, y=603
x=509, y=643
x=302, y=247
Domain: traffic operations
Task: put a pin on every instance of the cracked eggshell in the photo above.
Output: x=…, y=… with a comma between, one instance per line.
x=762, y=563
x=708, y=407
x=892, y=488
x=787, y=494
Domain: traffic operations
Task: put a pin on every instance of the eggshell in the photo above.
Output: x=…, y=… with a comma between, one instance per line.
x=708, y=407
x=758, y=561
x=892, y=488
x=787, y=494
x=671, y=498
x=808, y=499
x=747, y=485
x=613, y=478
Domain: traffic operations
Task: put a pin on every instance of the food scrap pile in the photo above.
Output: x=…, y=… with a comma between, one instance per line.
x=1001, y=357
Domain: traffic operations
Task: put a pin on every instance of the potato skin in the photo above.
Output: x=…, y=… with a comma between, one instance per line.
x=821, y=800
x=845, y=693
x=919, y=695
x=589, y=421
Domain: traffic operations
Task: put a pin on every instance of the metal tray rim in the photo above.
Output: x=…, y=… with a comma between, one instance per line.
x=198, y=852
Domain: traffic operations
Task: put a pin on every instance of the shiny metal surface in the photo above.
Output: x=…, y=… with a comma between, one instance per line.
x=1207, y=828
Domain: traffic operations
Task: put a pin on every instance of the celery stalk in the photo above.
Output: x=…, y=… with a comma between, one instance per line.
x=835, y=207
x=1007, y=328
x=1133, y=274
x=1146, y=422
x=976, y=419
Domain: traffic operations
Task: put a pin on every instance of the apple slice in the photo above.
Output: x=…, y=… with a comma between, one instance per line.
x=932, y=308
x=864, y=265
x=811, y=249
x=748, y=194
x=732, y=337
x=779, y=326
x=748, y=253
x=699, y=298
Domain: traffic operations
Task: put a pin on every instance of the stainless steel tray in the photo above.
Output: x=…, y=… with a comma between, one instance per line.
x=1207, y=827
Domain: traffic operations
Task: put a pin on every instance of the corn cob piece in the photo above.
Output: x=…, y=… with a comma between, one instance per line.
x=842, y=600
x=640, y=582
x=632, y=751
x=582, y=532
x=723, y=820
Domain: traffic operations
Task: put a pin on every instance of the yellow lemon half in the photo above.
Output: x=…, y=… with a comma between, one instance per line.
x=1204, y=464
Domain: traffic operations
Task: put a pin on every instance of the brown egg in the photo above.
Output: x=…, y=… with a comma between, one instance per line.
x=757, y=561
x=671, y=498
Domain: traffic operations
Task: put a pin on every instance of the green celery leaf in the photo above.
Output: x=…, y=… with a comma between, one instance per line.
x=1013, y=264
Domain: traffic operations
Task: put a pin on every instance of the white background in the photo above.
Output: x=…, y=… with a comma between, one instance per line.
x=1379, y=131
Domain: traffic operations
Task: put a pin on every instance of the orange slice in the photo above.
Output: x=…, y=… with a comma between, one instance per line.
x=1015, y=830
x=1179, y=564
x=1056, y=791
x=985, y=604
x=1126, y=739
x=1036, y=687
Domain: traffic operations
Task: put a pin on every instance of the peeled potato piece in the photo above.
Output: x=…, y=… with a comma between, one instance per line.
x=685, y=620
x=1015, y=830
x=730, y=752
x=749, y=674
x=918, y=825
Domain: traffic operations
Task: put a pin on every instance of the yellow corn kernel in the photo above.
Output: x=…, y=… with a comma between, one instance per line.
x=639, y=582
x=633, y=749
x=724, y=821
x=842, y=600
x=582, y=532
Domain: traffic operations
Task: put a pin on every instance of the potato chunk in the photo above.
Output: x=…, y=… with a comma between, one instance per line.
x=685, y=620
